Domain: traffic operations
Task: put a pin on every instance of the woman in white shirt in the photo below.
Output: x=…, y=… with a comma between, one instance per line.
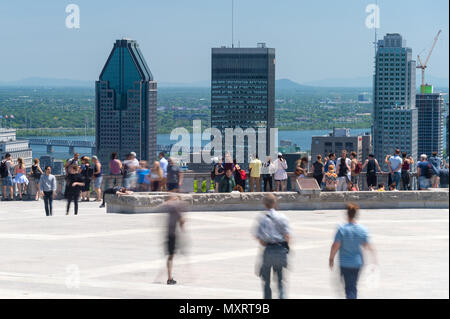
x=280, y=175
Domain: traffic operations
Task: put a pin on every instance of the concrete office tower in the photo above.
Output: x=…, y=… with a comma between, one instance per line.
x=243, y=90
x=125, y=104
x=338, y=140
x=395, y=113
x=17, y=148
x=430, y=107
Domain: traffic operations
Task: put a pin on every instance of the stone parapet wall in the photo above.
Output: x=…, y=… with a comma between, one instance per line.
x=149, y=202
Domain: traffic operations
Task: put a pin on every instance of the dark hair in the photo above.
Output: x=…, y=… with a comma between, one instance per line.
x=380, y=185
x=114, y=155
x=331, y=155
x=404, y=154
x=7, y=155
x=397, y=151
x=353, y=154
x=48, y=166
x=161, y=154
x=434, y=153
x=371, y=155
x=352, y=210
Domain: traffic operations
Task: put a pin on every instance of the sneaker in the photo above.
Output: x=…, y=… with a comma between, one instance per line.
x=67, y=213
x=101, y=206
x=171, y=282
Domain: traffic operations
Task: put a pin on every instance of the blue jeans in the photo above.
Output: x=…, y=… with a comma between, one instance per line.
x=350, y=278
x=396, y=177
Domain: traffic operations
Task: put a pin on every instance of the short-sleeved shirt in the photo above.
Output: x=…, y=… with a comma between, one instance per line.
x=163, y=163
x=273, y=227
x=351, y=237
x=173, y=173
x=423, y=168
x=142, y=173
x=396, y=161
x=174, y=210
x=255, y=166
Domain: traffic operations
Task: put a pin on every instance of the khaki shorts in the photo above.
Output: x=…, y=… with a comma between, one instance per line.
x=434, y=179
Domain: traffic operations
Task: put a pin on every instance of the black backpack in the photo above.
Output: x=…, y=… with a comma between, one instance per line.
x=343, y=170
x=3, y=169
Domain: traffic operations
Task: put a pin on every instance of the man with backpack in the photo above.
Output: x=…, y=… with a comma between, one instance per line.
x=436, y=164
x=424, y=172
x=6, y=169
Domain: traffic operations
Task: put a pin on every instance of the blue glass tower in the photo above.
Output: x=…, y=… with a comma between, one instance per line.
x=126, y=104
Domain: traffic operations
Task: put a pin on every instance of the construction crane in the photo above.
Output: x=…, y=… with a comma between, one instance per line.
x=423, y=66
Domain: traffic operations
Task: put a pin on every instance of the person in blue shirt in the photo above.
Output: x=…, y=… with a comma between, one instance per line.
x=348, y=241
x=330, y=160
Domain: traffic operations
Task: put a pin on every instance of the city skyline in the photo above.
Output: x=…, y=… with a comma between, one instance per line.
x=183, y=37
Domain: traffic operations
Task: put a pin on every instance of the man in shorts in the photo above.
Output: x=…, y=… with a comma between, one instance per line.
x=174, y=208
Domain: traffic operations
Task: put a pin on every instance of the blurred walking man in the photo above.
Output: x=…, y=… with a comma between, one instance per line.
x=174, y=208
x=348, y=241
x=273, y=234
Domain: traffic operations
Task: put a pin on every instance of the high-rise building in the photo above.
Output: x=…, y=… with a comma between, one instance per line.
x=395, y=114
x=243, y=90
x=125, y=96
x=430, y=107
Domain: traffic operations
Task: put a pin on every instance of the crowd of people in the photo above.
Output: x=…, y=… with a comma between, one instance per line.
x=84, y=175
x=331, y=173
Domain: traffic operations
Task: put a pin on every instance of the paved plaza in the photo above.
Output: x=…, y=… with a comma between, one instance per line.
x=99, y=255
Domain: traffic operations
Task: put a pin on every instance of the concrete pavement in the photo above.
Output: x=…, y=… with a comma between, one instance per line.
x=99, y=255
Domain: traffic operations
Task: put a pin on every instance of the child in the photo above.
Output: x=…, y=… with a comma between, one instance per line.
x=381, y=187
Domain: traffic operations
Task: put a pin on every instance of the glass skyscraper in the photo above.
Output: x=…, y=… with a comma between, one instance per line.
x=243, y=90
x=431, y=123
x=395, y=115
x=125, y=99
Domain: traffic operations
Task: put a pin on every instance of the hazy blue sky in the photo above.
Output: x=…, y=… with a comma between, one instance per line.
x=313, y=39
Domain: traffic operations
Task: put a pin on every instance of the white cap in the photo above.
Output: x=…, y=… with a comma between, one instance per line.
x=133, y=154
x=279, y=154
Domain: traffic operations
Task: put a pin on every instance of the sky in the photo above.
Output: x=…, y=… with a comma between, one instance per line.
x=314, y=40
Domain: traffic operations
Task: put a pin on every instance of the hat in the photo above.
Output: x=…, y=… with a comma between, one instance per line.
x=95, y=157
x=133, y=154
x=279, y=154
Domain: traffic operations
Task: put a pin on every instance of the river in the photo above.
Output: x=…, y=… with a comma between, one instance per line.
x=301, y=138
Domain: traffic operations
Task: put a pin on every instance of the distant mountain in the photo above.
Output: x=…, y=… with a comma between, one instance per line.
x=367, y=81
x=48, y=82
x=286, y=84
